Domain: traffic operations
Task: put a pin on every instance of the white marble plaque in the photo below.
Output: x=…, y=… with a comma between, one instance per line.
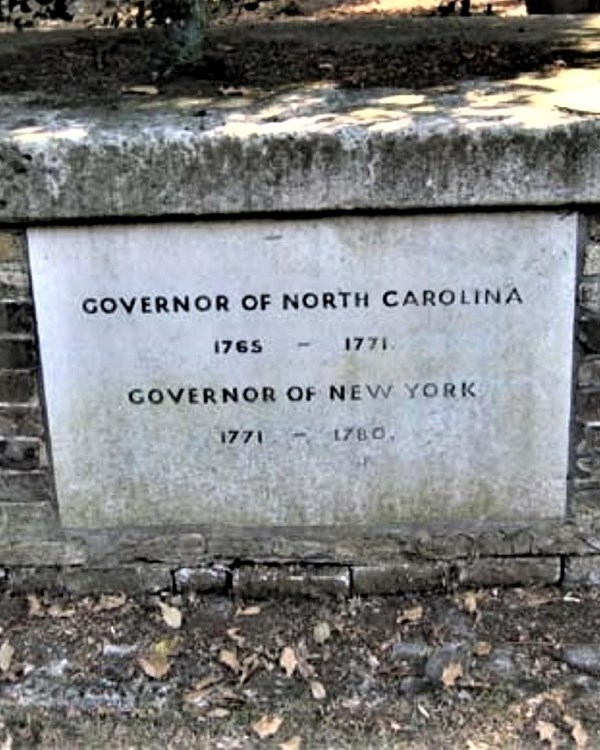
x=309, y=371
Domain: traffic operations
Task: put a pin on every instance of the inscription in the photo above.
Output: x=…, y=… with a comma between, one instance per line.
x=296, y=301
x=363, y=370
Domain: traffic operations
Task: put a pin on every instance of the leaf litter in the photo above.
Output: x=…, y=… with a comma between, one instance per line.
x=223, y=666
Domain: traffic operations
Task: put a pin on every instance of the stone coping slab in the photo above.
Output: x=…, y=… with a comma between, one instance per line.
x=532, y=141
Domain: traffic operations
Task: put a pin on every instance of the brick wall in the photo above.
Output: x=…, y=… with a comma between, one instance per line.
x=258, y=561
x=26, y=498
x=586, y=495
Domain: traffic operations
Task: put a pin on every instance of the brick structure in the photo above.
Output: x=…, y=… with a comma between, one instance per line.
x=349, y=169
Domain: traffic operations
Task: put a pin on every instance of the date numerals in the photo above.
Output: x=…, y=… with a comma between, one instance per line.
x=366, y=344
x=238, y=346
x=358, y=434
x=241, y=437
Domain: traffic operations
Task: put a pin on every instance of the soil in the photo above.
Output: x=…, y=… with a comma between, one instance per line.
x=341, y=41
x=473, y=669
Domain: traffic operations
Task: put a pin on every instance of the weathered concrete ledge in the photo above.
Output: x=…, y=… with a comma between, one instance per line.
x=531, y=141
x=335, y=545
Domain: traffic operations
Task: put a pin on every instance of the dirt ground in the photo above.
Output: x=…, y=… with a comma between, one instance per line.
x=477, y=670
x=352, y=43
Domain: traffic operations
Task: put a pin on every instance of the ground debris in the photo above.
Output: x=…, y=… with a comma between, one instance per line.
x=489, y=673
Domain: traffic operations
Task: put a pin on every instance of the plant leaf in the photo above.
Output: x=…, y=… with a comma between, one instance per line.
x=267, y=726
x=288, y=661
x=171, y=615
x=318, y=690
x=6, y=654
x=294, y=743
x=451, y=673
x=108, y=602
x=482, y=648
x=578, y=733
x=230, y=660
x=412, y=614
x=155, y=666
x=249, y=611
x=35, y=606
x=321, y=632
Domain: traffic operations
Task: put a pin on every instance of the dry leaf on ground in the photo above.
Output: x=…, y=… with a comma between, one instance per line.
x=202, y=689
x=230, y=660
x=35, y=606
x=412, y=614
x=249, y=666
x=306, y=670
x=234, y=634
x=318, y=690
x=267, y=726
x=451, y=673
x=249, y=611
x=6, y=655
x=469, y=602
x=321, y=632
x=219, y=713
x=108, y=602
x=166, y=646
x=61, y=612
x=546, y=731
x=288, y=661
x=294, y=743
x=578, y=733
x=482, y=648
x=155, y=666
x=171, y=615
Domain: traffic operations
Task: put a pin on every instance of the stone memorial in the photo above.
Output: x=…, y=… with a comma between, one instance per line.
x=309, y=371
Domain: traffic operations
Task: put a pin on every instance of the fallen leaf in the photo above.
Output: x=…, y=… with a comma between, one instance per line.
x=108, y=602
x=171, y=615
x=249, y=611
x=155, y=666
x=233, y=91
x=546, y=731
x=535, y=598
x=166, y=646
x=197, y=696
x=288, y=661
x=61, y=612
x=482, y=648
x=35, y=606
x=140, y=90
x=267, y=726
x=294, y=743
x=6, y=654
x=230, y=660
x=202, y=689
x=249, y=667
x=412, y=614
x=219, y=713
x=318, y=690
x=306, y=670
x=451, y=673
x=578, y=733
x=234, y=634
x=469, y=601
x=321, y=632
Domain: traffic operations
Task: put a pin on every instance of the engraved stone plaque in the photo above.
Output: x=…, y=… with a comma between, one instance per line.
x=308, y=371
